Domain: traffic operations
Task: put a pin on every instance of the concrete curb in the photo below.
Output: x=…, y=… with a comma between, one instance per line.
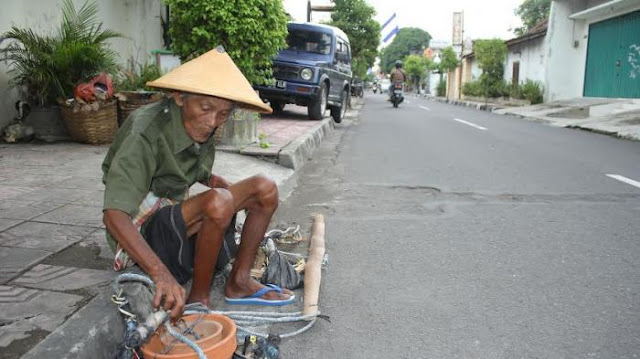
x=295, y=153
x=92, y=332
x=478, y=106
x=613, y=133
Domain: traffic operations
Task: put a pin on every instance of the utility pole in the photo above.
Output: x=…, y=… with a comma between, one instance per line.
x=458, y=40
x=317, y=8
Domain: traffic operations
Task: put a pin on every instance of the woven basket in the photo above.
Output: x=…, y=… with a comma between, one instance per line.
x=91, y=126
x=129, y=101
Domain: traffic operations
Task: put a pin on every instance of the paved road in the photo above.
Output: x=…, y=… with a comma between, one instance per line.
x=455, y=233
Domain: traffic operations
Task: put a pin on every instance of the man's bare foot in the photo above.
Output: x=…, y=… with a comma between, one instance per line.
x=241, y=290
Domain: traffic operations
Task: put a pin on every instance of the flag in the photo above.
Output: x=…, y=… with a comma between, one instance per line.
x=389, y=29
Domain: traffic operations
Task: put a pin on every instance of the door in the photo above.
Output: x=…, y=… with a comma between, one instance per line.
x=341, y=69
x=613, y=58
x=515, y=78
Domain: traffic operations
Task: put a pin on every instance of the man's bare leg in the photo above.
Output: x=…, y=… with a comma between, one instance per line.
x=207, y=214
x=259, y=196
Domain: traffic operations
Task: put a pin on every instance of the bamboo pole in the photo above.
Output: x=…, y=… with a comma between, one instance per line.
x=313, y=269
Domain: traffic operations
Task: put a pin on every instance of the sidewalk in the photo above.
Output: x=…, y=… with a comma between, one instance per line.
x=54, y=261
x=616, y=117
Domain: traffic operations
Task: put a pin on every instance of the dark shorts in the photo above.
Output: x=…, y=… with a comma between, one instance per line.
x=166, y=234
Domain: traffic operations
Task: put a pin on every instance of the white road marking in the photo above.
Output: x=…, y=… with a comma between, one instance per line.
x=625, y=180
x=407, y=102
x=470, y=124
x=425, y=108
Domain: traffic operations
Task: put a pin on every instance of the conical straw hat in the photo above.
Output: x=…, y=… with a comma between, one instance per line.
x=214, y=74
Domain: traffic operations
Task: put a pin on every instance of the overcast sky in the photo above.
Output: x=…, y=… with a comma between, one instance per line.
x=482, y=19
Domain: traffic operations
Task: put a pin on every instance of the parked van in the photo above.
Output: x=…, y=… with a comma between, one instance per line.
x=313, y=71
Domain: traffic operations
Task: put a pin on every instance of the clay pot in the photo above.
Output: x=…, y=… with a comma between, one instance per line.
x=218, y=339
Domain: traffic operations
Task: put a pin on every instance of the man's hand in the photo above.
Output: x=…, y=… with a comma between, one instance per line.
x=218, y=182
x=174, y=294
x=119, y=224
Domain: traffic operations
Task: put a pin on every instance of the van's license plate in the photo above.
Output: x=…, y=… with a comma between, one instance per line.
x=281, y=84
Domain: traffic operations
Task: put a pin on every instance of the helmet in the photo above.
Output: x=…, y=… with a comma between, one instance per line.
x=398, y=64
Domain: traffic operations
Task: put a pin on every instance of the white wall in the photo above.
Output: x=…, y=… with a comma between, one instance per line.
x=565, y=61
x=531, y=57
x=475, y=70
x=566, y=47
x=137, y=20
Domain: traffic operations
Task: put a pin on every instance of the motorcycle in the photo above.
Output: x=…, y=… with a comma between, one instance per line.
x=398, y=94
x=357, y=89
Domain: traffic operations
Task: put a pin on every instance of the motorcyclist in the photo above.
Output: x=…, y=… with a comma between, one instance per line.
x=397, y=75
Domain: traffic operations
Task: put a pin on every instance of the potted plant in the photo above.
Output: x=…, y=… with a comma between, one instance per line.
x=32, y=69
x=83, y=54
x=48, y=68
x=133, y=91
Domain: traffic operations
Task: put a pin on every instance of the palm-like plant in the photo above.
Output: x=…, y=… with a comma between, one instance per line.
x=47, y=68
x=32, y=67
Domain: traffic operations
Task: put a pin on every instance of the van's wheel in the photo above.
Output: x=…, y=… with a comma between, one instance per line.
x=338, y=113
x=318, y=107
x=277, y=107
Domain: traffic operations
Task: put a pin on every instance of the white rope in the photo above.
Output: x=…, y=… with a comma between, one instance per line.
x=185, y=340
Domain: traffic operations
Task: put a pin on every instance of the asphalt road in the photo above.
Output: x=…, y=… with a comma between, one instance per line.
x=456, y=233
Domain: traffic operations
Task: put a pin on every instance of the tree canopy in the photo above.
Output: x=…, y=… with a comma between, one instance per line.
x=448, y=60
x=491, y=55
x=416, y=66
x=409, y=40
x=251, y=31
x=355, y=18
x=532, y=12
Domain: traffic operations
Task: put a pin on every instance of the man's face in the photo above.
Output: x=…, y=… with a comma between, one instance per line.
x=202, y=114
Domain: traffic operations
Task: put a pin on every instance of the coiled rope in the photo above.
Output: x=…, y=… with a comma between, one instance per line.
x=241, y=318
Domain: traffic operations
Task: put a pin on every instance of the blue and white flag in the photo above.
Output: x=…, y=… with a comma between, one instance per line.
x=389, y=29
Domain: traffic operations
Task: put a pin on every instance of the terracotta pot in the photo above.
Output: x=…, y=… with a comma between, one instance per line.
x=218, y=342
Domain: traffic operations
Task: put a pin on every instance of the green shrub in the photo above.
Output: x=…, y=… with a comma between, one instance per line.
x=136, y=79
x=251, y=32
x=532, y=91
x=472, y=88
x=441, y=90
x=515, y=91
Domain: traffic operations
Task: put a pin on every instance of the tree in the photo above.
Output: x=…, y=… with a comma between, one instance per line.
x=532, y=12
x=415, y=67
x=355, y=18
x=448, y=60
x=251, y=31
x=409, y=40
x=491, y=55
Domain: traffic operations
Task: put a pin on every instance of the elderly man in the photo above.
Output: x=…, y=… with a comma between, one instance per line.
x=159, y=152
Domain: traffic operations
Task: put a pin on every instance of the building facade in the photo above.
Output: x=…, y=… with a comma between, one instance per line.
x=588, y=48
x=592, y=49
x=526, y=57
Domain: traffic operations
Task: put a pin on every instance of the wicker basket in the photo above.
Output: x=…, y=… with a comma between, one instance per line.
x=129, y=101
x=88, y=125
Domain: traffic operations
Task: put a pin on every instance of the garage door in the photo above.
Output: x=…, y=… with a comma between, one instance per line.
x=613, y=58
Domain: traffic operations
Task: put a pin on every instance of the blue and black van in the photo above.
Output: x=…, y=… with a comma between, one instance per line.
x=313, y=71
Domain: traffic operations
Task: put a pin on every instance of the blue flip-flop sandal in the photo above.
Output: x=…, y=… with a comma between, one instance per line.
x=255, y=298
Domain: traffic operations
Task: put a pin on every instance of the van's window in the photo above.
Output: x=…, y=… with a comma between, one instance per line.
x=342, y=50
x=309, y=41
